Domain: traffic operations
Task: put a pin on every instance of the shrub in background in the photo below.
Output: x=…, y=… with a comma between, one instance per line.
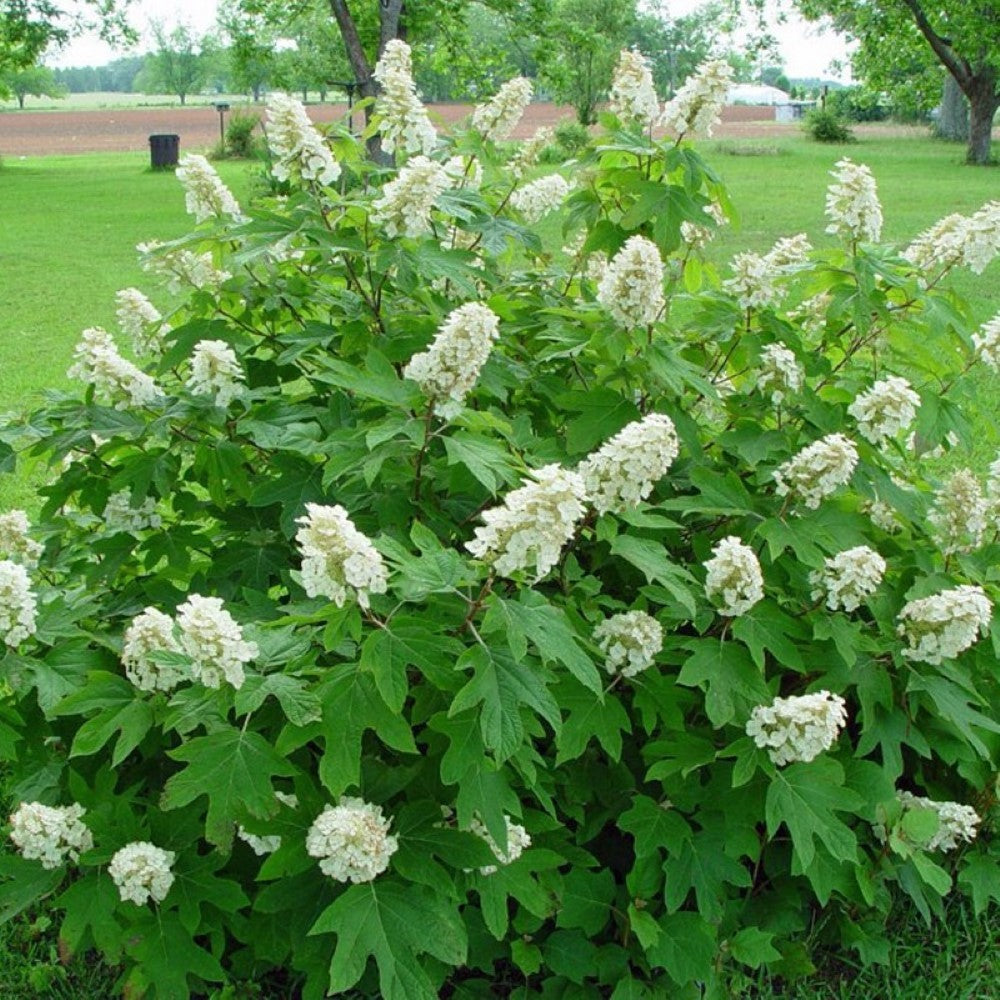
x=434, y=612
x=825, y=125
x=240, y=138
x=857, y=104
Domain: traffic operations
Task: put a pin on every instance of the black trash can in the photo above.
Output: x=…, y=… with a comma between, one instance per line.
x=163, y=150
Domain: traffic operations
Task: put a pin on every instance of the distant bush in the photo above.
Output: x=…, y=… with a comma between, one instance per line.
x=240, y=138
x=826, y=126
x=857, y=104
x=570, y=138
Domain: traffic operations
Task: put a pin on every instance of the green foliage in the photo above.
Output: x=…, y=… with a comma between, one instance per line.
x=240, y=138
x=668, y=852
x=826, y=125
x=857, y=104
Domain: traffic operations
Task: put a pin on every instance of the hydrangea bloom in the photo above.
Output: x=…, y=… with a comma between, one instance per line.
x=518, y=841
x=629, y=642
x=50, y=834
x=529, y=151
x=955, y=821
x=993, y=495
x=182, y=267
x=205, y=196
x=959, y=240
x=351, y=840
x=987, y=343
x=17, y=604
x=696, y=236
x=535, y=521
x=407, y=201
x=214, y=642
x=142, y=872
x=959, y=514
x=633, y=96
x=734, y=582
x=540, y=196
x=338, y=561
x=499, y=117
x=140, y=320
x=447, y=371
x=215, y=371
x=885, y=409
x=848, y=578
x=115, y=380
x=780, y=373
x=120, y=516
x=818, y=470
x=697, y=107
x=852, y=204
x=756, y=276
x=262, y=844
x=15, y=542
x=944, y=625
x=798, y=728
x=297, y=149
x=404, y=123
x=632, y=287
x=150, y=632
x=624, y=470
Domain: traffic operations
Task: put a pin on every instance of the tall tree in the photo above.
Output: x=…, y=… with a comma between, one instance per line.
x=29, y=27
x=963, y=35
x=179, y=63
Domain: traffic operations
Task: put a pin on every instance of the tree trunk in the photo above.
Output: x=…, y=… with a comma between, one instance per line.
x=983, y=104
x=953, y=122
x=20, y=101
x=182, y=96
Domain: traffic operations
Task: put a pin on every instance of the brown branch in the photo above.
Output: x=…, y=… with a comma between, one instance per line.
x=958, y=68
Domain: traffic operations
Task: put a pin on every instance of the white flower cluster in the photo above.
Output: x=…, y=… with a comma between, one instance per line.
x=142, y=872
x=182, y=267
x=697, y=237
x=50, y=834
x=818, y=469
x=848, y=578
x=407, y=201
x=885, y=409
x=697, y=107
x=968, y=241
x=633, y=96
x=351, y=840
x=120, y=516
x=528, y=152
x=960, y=512
x=534, y=523
x=499, y=117
x=215, y=371
x=205, y=196
x=944, y=625
x=267, y=843
x=811, y=313
x=539, y=197
x=632, y=287
x=17, y=604
x=15, y=542
x=404, y=123
x=993, y=495
x=987, y=342
x=465, y=172
x=629, y=642
x=797, y=728
x=297, y=149
x=756, y=276
x=852, y=204
x=518, y=841
x=140, y=320
x=734, y=579
x=780, y=373
x=624, y=470
x=148, y=633
x=214, y=641
x=338, y=561
x=97, y=362
x=955, y=821
x=447, y=371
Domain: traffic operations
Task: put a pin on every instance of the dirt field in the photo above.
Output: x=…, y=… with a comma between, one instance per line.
x=36, y=133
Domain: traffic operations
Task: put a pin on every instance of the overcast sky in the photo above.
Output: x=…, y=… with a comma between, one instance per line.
x=806, y=51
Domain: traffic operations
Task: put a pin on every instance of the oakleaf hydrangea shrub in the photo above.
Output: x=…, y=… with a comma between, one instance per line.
x=419, y=608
